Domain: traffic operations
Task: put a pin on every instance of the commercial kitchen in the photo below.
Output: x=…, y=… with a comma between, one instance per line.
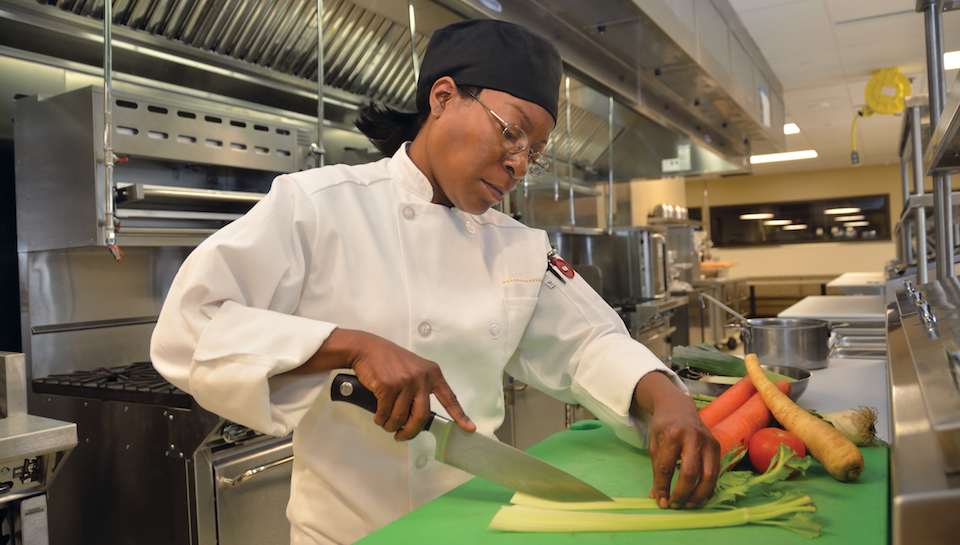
x=723, y=173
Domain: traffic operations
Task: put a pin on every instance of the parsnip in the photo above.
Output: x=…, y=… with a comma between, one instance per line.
x=837, y=454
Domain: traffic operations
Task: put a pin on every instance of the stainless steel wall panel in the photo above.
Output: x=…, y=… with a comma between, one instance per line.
x=67, y=294
x=86, y=284
x=40, y=179
x=55, y=353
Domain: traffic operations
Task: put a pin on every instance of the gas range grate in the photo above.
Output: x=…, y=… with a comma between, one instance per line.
x=135, y=383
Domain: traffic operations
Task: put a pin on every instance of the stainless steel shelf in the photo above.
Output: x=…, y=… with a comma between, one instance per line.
x=942, y=154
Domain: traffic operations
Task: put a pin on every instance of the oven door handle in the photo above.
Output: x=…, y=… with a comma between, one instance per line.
x=251, y=473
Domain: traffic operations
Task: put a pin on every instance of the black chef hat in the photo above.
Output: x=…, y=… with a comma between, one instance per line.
x=494, y=55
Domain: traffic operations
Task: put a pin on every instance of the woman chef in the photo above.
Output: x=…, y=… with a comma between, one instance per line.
x=400, y=271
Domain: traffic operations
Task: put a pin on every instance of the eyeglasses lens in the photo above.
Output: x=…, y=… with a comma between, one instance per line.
x=515, y=141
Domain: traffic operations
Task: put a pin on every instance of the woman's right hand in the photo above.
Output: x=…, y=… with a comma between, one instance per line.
x=401, y=380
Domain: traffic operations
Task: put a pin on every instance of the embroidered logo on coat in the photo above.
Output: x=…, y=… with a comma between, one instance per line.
x=523, y=280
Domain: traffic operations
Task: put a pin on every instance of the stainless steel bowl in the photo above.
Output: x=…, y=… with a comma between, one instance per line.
x=797, y=388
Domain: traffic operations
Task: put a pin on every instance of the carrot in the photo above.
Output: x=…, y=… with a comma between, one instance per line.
x=727, y=402
x=837, y=454
x=737, y=429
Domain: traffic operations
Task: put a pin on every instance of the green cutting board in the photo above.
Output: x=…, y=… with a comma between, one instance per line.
x=851, y=513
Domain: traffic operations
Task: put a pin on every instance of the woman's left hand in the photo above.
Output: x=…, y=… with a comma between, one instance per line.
x=678, y=434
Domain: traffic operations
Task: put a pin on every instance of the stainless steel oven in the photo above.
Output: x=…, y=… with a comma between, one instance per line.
x=628, y=264
x=151, y=466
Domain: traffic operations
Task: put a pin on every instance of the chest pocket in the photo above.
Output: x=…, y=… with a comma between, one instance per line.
x=519, y=311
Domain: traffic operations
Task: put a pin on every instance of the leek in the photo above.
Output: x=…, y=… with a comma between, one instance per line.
x=858, y=425
x=709, y=359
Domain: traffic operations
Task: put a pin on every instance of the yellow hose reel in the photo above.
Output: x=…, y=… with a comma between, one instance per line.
x=885, y=94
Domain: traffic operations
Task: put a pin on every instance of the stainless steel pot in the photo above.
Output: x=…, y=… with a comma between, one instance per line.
x=792, y=342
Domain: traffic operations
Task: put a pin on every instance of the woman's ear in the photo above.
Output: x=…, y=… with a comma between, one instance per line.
x=442, y=91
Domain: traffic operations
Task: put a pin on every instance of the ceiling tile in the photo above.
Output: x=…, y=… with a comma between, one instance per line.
x=846, y=10
x=749, y=5
x=804, y=15
x=790, y=43
x=865, y=58
x=837, y=62
x=881, y=30
x=817, y=92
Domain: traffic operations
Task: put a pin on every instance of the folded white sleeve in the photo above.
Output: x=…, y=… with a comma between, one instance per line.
x=577, y=349
x=229, y=327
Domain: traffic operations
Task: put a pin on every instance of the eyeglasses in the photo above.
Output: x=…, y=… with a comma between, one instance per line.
x=516, y=141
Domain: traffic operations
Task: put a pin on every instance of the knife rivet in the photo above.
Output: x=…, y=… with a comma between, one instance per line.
x=421, y=461
x=346, y=389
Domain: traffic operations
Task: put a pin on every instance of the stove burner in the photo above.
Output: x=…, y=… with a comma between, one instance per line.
x=136, y=383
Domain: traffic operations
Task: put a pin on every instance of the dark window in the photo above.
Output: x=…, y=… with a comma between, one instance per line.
x=848, y=219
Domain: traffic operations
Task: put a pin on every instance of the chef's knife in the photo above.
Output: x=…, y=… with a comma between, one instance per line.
x=482, y=456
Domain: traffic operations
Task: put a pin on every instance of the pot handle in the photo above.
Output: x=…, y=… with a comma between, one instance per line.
x=738, y=327
x=833, y=325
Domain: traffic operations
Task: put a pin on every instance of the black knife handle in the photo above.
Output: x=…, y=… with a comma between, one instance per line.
x=348, y=388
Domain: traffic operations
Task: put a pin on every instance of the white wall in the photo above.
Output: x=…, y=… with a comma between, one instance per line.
x=645, y=194
x=821, y=258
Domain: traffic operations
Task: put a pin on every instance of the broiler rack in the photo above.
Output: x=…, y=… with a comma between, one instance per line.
x=184, y=168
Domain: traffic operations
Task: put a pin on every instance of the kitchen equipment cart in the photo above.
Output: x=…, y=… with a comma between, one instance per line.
x=850, y=512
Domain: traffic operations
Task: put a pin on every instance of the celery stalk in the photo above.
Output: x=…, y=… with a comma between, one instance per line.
x=782, y=512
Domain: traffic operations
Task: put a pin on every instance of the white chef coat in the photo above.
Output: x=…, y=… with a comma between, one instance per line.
x=362, y=247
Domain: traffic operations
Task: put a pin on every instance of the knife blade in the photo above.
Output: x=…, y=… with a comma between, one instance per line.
x=480, y=455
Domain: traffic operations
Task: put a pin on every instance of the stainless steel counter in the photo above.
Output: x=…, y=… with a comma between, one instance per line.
x=846, y=384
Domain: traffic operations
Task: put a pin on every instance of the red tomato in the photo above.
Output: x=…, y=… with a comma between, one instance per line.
x=765, y=443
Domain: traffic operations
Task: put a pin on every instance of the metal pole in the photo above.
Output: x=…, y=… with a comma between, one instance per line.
x=610, y=158
x=573, y=217
x=413, y=43
x=921, y=211
x=108, y=163
x=905, y=181
x=942, y=211
x=317, y=150
x=556, y=175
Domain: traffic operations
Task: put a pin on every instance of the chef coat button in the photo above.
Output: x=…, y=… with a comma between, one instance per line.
x=421, y=461
x=495, y=331
x=470, y=226
x=424, y=329
x=409, y=213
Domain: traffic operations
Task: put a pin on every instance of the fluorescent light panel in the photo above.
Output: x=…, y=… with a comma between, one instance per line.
x=786, y=156
x=756, y=216
x=856, y=224
x=797, y=227
x=778, y=222
x=791, y=128
x=850, y=218
x=951, y=60
x=836, y=211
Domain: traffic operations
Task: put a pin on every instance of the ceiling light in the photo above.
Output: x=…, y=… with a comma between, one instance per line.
x=856, y=224
x=797, y=227
x=778, y=222
x=755, y=216
x=951, y=60
x=850, y=218
x=835, y=211
x=787, y=156
x=791, y=128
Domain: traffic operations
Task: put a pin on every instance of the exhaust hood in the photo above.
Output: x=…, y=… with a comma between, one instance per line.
x=680, y=109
